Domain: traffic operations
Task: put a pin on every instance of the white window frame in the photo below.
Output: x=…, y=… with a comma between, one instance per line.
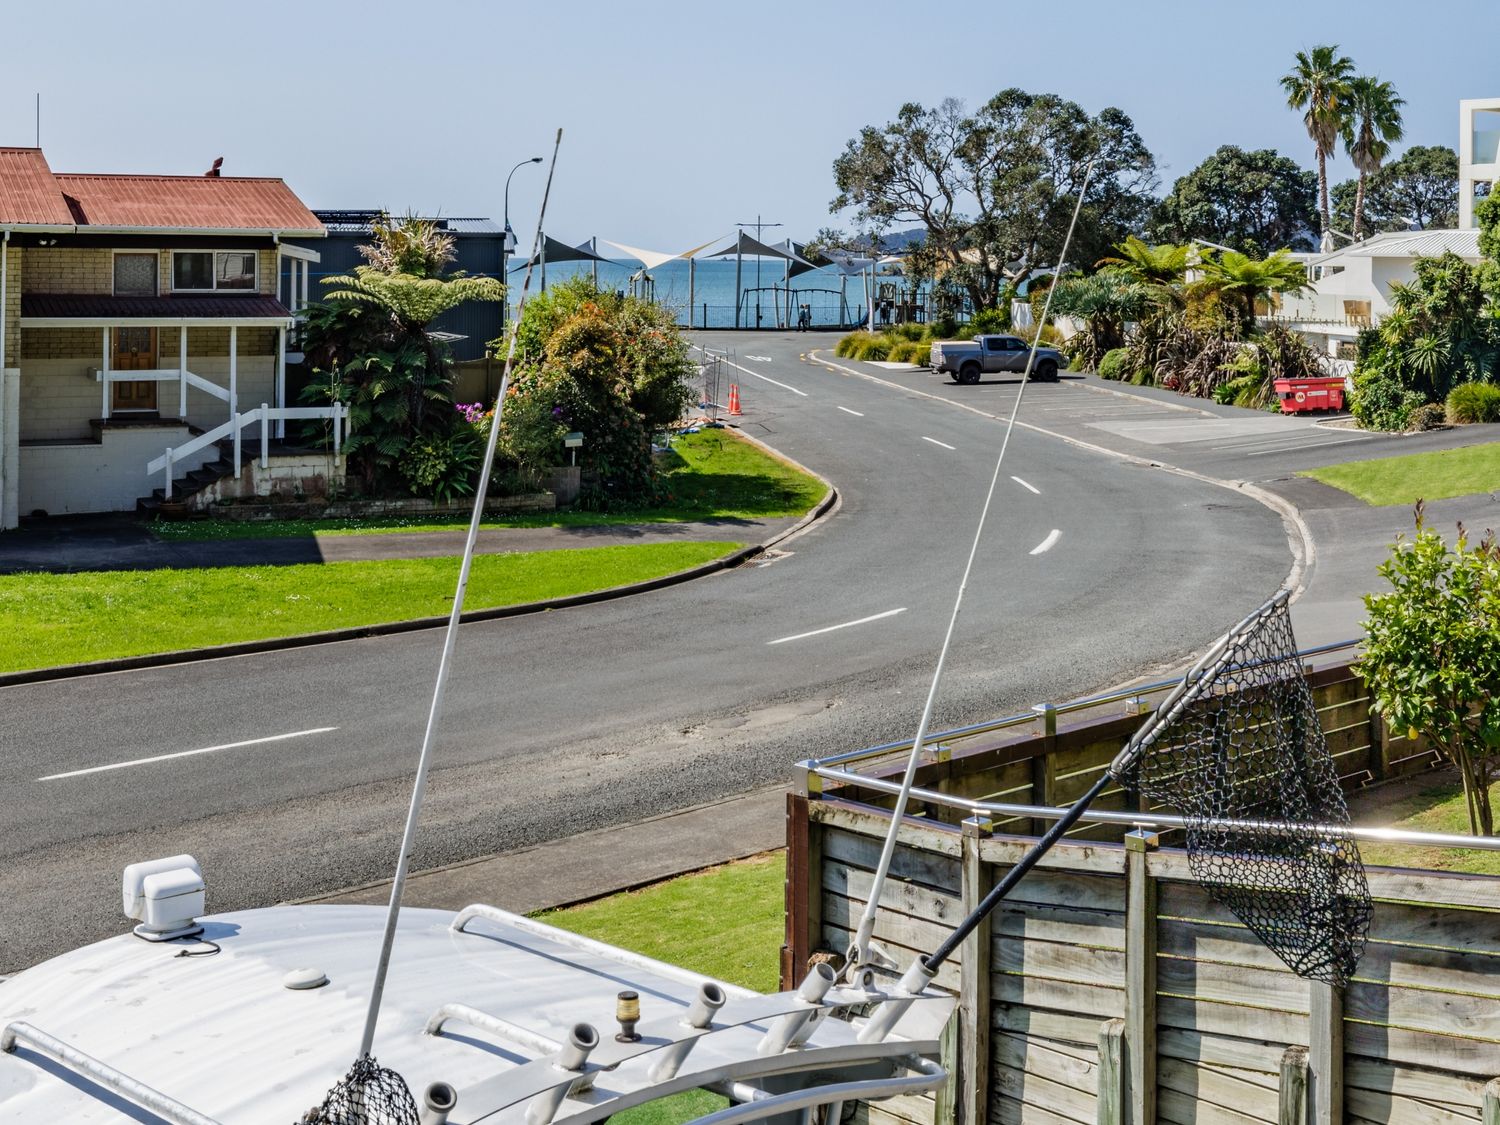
x=113, y=254
x=254, y=286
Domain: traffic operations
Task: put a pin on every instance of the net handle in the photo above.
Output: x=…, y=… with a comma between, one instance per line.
x=1198, y=679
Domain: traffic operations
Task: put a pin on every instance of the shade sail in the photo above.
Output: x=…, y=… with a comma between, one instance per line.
x=556, y=251
x=750, y=248
x=793, y=252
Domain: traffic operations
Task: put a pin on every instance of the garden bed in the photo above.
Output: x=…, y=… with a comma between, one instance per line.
x=409, y=506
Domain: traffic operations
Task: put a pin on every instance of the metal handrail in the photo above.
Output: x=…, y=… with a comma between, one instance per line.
x=989, y=810
x=101, y=1074
x=1117, y=695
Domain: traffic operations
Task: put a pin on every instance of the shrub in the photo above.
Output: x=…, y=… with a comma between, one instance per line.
x=908, y=331
x=1428, y=416
x=1380, y=401
x=990, y=322
x=1474, y=402
x=943, y=328
x=873, y=348
x=1115, y=364
x=848, y=346
x=1240, y=391
x=911, y=351
x=442, y=466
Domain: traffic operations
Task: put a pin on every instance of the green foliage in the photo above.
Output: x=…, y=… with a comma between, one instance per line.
x=989, y=322
x=1105, y=302
x=442, y=466
x=1381, y=401
x=414, y=302
x=1242, y=390
x=1487, y=216
x=1243, y=280
x=1320, y=86
x=410, y=246
x=1371, y=123
x=1428, y=416
x=909, y=331
x=1254, y=201
x=910, y=351
x=1115, y=364
x=1432, y=654
x=1163, y=265
x=1474, y=402
x=873, y=348
x=1420, y=188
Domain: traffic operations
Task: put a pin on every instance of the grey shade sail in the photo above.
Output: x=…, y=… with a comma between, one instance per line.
x=793, y=251
x=752, y=248
x=556, y=251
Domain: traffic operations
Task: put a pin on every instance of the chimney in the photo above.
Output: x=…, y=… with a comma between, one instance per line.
x=214, y=171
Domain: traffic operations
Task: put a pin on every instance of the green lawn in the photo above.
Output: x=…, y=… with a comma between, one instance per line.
x=1436, y=807
x=709, y=474
x=1420, y=476
x=53, y=619
x=726, y=923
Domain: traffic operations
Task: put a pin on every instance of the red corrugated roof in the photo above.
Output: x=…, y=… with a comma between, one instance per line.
x=186, y=202
x=28, y=191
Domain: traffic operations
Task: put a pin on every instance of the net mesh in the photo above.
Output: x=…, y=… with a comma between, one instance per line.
x=1247, y=766
x=369, y=1094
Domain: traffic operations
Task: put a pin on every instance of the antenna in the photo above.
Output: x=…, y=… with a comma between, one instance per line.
x=450, y=638
x=38, y=119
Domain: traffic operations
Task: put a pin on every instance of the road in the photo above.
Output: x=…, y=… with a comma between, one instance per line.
x=287, y=773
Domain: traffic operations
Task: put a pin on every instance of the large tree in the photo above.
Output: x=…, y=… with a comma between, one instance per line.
x=1255, y=202
x=994, y=189
x=1319, y=86
x=1419, y=190
x=1373, y=124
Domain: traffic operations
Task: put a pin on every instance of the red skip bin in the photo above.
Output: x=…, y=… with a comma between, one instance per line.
x=1303, y=395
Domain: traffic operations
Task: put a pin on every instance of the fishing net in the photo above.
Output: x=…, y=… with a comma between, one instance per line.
x=1246, y=765
x=369, y=1094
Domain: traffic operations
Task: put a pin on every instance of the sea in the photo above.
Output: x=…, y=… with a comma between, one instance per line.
x=835, y=300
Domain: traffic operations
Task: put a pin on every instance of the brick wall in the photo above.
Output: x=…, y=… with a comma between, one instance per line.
x=58, y=397
x=69, y=270
x=16, y=258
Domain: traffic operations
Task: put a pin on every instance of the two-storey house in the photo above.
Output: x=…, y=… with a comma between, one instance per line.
x=142, y=313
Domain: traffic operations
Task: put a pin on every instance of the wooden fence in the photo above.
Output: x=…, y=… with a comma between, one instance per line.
x=1111, y=988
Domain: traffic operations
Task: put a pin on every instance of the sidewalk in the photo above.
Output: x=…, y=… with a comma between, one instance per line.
x=126, y=543
x=593, y=864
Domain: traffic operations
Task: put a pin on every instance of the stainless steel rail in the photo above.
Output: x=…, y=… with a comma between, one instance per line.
x=992, y=810
x=101, y=1074
x=1047, y=712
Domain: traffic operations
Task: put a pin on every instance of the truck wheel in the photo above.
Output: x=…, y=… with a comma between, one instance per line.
x=968, y=373
x=1046, y=371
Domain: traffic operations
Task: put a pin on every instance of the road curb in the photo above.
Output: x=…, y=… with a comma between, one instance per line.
x=382, y=629
x=1298, y=534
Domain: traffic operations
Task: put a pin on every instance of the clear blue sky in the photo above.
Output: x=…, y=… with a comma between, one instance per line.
x=679, y=118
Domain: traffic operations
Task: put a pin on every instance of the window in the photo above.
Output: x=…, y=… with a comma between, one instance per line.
x=207, y=270
x=135, y=275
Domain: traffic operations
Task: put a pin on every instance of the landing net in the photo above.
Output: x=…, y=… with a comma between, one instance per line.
x=369, y=1094
x=1247, y=766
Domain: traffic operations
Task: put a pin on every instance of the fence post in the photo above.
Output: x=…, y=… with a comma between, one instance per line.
x=237, y=424
x=265, y=436
x=1379, y=763
x=803, y=890
x=1489, y=1113
x=1325, y=1022
x=974, y=981
x=1292, y=1095
x=167, y=492
x=1140, y=978
x=1112, y=1073
x=1044, y=767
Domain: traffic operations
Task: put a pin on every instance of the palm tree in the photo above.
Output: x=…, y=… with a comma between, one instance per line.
x=1319, y=86
x=1245, y=280
x=1371, y=127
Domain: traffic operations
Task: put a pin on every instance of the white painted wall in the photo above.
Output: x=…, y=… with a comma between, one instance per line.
x=106, y=476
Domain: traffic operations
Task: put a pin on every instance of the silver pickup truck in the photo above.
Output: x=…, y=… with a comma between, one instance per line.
x=966, y=360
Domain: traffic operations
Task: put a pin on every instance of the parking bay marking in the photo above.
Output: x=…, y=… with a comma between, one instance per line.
x=935, y=441
x=1047, y=543
x=856, y=413
x=188, y=753
x=833, y=628
x=1029, y=488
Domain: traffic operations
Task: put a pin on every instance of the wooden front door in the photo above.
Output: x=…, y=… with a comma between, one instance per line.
x=134, y=350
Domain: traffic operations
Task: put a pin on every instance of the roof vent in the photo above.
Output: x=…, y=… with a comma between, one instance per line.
x=214, y=171
x=166, y=895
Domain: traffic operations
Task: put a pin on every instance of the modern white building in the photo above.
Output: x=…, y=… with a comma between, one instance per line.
x=1478, y=153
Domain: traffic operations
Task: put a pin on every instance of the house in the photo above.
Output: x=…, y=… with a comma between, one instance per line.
x=1350, y=288
x=146, y=319
x=1478, y=153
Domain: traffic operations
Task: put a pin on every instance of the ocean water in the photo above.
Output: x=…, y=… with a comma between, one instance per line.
x=834, y=298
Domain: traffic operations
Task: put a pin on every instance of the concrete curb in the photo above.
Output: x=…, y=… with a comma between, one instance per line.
x=382, y=629
x=1298, y=534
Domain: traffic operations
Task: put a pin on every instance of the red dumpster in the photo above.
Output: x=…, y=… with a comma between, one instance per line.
x=1301, y=395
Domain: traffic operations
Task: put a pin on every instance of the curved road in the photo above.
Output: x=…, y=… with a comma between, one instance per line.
x=1093, y=570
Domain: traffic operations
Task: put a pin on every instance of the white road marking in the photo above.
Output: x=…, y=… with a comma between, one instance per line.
x=856, y=413
x=832, y=628
x=188, y=753
x=1298, y=448
x=760, y=358
x=1047, y=543
x=935, y=441
x=767, y=378
x=1029, y=488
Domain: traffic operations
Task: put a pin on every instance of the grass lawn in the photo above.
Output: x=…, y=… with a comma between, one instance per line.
x=1435, y=804
x=711, y=474
x=726, y=923
x=53, y=619
x=1420, y=476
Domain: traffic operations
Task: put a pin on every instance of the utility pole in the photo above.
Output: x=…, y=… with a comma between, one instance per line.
x=759, y=226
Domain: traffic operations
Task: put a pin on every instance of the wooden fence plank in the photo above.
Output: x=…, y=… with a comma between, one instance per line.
x=1473, y=1057
x=1140, y=980
x=1279, y=1027
x=1232, y=984
x=1112, y=1073
x=1064, y=1026
x=1325, y=1055
x=1456, y=1091
x=1215, y=1089
x=1096, y=929
x=975, y=1060
x=1061, y=1098
x=1220, y=1050
x=897, y=895
x=1401, y=1111
x=1291, y=1106
x=1490, y=1110
x=936, y=871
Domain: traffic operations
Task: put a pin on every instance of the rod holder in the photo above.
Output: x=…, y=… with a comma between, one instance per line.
x=886, y=1016
x=582, y=1039
x=785, y=1030
x=699, y=1017
x=438, y=1101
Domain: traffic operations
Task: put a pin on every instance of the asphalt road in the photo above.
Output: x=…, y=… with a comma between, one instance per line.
x=1094, y=569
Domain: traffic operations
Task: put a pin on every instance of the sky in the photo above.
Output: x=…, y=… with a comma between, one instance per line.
x=679, y=119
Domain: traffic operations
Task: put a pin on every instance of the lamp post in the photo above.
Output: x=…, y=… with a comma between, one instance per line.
x=759, y=226
x=508, y=239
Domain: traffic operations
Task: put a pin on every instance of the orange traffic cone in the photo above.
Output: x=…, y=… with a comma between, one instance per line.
x=734, y=399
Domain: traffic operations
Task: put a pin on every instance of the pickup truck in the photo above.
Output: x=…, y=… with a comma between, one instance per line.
x=966, y=360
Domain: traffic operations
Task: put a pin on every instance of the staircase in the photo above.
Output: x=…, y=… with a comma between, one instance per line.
x=184, y=488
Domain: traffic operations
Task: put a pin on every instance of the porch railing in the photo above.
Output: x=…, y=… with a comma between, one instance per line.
x=233, y=429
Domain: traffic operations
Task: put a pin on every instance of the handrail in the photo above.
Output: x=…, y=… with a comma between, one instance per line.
x=101, y=1074
x=1117, y=695
x=218, y=392
x=540, y=1045
x=263, y=414
x=999, y=809
x=182, y=452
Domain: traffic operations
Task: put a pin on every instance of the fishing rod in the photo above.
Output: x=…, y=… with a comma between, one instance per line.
x=858, y=956
x=450, y=637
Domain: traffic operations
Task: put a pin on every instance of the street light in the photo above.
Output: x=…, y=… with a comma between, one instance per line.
x=508, y=239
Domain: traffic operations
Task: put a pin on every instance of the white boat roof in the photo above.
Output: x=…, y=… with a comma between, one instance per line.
x=222, y=1034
